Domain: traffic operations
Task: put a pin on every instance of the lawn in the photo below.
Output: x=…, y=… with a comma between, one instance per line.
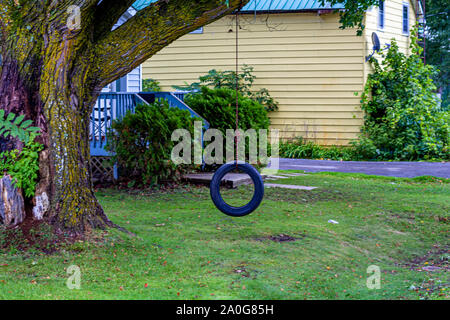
x=186, y=249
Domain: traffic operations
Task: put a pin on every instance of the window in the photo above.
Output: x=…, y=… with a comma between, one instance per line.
x=405, y=19
x=198, y=30
x=381, y=15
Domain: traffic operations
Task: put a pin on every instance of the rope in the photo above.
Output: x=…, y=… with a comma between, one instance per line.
x=237, y=87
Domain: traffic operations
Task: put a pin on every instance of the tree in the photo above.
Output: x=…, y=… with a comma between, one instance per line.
x=437, y=46
x=56, y=58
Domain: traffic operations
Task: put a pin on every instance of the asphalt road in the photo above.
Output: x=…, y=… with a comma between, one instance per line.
x=391, y=169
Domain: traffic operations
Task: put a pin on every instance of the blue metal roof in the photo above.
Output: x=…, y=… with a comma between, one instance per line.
x=266, y=5
x=286, y=5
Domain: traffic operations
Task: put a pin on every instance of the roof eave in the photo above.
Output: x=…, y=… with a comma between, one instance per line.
x=325, y=10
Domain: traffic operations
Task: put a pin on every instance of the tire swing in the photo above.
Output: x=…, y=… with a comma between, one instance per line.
x=240, y=165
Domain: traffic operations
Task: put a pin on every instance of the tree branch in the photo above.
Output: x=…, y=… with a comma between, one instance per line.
x=152, y=29
x=4, y=17
x=353, y=13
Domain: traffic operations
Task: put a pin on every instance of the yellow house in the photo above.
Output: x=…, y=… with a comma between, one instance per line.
x=309, y=65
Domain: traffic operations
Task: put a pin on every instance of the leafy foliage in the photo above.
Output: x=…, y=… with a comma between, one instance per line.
x=21, y=165
x=403, y=117
x=142, y=141
x=438, y=45
x=151, y=85
x=302, y=149
x=16, y=127
x=218, y=107
x=353, y=14
x=227, y=79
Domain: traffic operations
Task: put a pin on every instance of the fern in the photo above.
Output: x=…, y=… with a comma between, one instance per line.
x=21, y=165
x=15, y=126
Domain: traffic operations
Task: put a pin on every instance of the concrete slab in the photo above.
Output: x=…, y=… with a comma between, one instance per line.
x=277, y=177
x=231, y=180
x=288, y=186
x=294, y=174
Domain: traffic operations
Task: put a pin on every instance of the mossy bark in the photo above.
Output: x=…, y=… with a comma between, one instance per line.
x=60, y=103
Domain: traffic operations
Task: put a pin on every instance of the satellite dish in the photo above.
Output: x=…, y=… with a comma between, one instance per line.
x=376, y=45
x=376, y=42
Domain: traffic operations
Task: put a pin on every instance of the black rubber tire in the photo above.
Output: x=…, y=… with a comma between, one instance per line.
x=217, y=197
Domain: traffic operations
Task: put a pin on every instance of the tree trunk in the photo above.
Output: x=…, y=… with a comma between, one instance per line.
x=60, y=105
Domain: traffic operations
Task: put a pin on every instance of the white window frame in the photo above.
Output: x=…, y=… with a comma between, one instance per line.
x=382, y=17
x=198, y=31
x=405, y=5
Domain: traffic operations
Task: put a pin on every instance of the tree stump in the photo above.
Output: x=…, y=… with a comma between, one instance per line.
x=12, y=206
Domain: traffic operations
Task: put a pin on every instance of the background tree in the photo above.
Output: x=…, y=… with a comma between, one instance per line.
x=437, y=46
x=57, y=55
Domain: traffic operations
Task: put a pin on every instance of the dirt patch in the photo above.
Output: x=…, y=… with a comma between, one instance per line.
x=243, y=271
x=281, y=238
x=436, y=259
x=33, y=235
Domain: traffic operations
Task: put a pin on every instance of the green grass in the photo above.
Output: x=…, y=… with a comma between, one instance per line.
x=186, y=249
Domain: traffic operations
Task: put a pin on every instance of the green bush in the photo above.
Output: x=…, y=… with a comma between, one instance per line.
x=150, y=85
x=22, y=165
x=142, y=142
x=218, y=107
x=227, y=80
x=301, y=149
x=403, y=117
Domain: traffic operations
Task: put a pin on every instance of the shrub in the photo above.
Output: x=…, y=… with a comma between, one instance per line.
x=142, y=142
x=218, y=107
x=22, y=165
x=150, y=85
x=227, y=79
x=403, y=117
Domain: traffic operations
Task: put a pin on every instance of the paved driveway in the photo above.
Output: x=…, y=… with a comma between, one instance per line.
x=392, y=169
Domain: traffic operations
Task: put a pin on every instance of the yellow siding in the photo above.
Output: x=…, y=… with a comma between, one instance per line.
x=309, y=65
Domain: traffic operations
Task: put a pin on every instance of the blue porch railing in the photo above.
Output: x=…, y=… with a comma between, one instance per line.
x=115, y=105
